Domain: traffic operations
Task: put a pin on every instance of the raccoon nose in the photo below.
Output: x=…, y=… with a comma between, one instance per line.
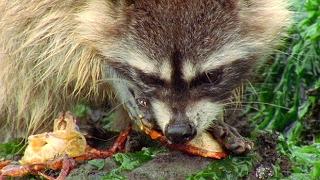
x=180, y=133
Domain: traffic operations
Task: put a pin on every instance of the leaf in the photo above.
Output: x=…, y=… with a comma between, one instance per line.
x=13, y=147
x=80, y=110
x=99, y=163
x=130, y=161
x=229, y=169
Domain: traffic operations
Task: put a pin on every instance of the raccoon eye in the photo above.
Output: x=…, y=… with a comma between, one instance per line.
x=142, y=102
x=152, y=81
x=212, y=77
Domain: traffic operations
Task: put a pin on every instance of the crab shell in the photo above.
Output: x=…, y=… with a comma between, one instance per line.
x=206, y=142
x=64, y=140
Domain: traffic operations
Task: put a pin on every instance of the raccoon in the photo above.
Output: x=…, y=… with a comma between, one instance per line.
x=176, y=61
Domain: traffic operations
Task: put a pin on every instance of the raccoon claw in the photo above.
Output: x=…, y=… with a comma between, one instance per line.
x=231, y=139
x=239, y=146
x=136, y=141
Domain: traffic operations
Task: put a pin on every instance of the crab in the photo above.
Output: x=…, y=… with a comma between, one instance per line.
x=64, y=163
x=63, y=148
x=203, y=145
x=64, y=140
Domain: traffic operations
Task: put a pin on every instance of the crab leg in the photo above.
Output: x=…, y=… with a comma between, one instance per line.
x=4, y=163
x=117, y=146
x=14, y=171
x=66, y=164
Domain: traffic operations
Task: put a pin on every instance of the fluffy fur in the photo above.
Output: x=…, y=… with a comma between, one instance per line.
x=53, y=53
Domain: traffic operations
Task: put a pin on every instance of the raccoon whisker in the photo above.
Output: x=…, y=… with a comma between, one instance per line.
x=290, y=55
x=253, y=88
x=254, y=94
x=115, y=108
x=232, y=109
x=237, y=96
x=117, y=79
x=104, y=140
x=239, y=109
x=255, y=102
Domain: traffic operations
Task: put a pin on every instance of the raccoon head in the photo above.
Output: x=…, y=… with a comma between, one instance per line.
x=185, y=57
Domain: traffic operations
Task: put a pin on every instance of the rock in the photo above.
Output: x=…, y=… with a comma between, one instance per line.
x=90, y=172
x=170, y=165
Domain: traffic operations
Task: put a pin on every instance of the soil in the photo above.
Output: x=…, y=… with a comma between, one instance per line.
x=266, y=148
x=312, y=126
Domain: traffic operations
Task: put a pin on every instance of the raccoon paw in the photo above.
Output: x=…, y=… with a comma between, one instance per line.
x=134, y=142
x=230, y=139
x=138, y=140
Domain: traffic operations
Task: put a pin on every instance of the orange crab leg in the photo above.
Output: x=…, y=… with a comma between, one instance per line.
x=98, y=154
x=15, y=170
x=4, y=163
x=65, y=165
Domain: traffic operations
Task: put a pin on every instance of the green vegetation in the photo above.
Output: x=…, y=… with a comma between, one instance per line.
x=14, y=147
x=130, y=161
x=227, y=169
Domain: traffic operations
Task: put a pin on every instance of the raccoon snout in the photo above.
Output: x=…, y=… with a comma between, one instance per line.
x=180, y=133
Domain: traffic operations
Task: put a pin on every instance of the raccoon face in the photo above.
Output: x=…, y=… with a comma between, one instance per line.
x=189, y=99
x=184, y=58
x=181, y=97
